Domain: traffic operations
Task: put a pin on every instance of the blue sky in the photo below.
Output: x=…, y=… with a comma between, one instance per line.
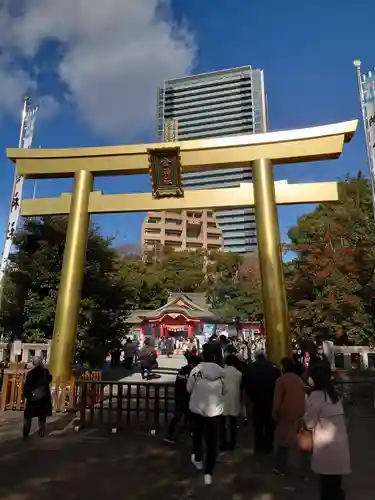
x=95, y=75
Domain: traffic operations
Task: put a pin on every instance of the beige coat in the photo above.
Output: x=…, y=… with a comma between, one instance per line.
x=331, y=448
x=232, y=391
x=288, y=408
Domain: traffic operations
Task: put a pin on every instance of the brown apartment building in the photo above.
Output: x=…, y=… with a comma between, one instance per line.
x=184, y=230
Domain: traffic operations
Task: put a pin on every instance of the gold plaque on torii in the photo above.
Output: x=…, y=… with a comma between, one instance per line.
x=165, y=172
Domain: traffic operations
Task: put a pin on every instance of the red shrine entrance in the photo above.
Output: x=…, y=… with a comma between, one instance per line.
x=175, y=325
x=183, y=316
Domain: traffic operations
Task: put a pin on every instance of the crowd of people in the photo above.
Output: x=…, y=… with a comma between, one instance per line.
x=219, y=386
x=295, y=406
x=145, y=355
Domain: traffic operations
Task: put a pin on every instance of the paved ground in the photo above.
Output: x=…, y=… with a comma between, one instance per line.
x=168, y=368
x=137, y=466
x=11, y=425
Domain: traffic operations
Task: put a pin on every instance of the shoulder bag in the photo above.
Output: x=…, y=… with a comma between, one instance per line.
x=305, y=436
x=41, y=391
x=305, y=439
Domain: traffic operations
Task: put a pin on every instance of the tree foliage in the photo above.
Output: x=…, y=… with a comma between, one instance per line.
x=145, y=283
x=230, y=282
x=182, y=271
x=32, y=286
x=331, y=281
x=234, y=286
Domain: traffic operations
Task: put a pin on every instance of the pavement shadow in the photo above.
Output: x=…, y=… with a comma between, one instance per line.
x=134, y=465
x=11, y=430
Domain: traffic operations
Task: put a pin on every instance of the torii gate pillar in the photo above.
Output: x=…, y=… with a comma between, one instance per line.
x=275, y=306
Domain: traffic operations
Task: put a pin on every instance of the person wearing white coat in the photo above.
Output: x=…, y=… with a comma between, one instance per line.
x=232, y=403
x=325, y=418
x=206, y=386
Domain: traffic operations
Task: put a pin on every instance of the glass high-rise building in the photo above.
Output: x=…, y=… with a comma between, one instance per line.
x=227, y=102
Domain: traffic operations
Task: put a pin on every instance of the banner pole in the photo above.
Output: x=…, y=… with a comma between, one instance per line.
x=357, y=63
x=16, y=198
x=24, y=114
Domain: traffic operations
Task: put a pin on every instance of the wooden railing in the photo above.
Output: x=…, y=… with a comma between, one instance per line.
x=65, y=394
x=117, y=405
x=120, y=404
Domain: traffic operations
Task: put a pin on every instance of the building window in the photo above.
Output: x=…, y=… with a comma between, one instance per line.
x=175, y=222
x=154, y=220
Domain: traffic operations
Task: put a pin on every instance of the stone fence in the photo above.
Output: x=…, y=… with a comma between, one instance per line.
x=349, y=358
x=21, y=352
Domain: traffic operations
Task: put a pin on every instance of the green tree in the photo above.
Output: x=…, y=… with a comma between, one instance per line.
x=182, y=271
x=234, y=286
x=144, y=281
x=152, y=277
x=230, y=281
x=32, y=286
x=331, y=281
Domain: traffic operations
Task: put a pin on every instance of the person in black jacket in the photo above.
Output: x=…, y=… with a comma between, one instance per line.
x=181, y=396
x=38, y=397
x=317, y=358
x=259, y=384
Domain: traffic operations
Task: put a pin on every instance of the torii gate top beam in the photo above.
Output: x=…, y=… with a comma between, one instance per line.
x=292, y=146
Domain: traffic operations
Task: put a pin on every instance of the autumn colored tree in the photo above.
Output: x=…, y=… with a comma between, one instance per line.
x=331, y=282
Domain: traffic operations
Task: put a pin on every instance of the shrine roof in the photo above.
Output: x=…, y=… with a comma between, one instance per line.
x=192, y=305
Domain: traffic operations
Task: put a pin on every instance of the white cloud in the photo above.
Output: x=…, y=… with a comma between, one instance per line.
x=115, y=54
x=13, y=85
x=48, y=106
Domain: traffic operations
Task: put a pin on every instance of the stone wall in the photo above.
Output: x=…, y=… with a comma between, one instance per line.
x=24, y=352
x=349, y=358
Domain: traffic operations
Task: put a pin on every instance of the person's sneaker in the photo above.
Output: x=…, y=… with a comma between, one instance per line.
x=169, y=439
x=207, y=479
x=197, y=464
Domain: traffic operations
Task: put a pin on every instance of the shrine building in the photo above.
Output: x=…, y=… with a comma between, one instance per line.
x=184, y=315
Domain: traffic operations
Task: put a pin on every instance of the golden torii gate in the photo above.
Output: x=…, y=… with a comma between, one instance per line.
x=260, y=152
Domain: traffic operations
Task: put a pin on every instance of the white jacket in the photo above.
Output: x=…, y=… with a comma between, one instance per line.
x=232, y=391
x=206, y=386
